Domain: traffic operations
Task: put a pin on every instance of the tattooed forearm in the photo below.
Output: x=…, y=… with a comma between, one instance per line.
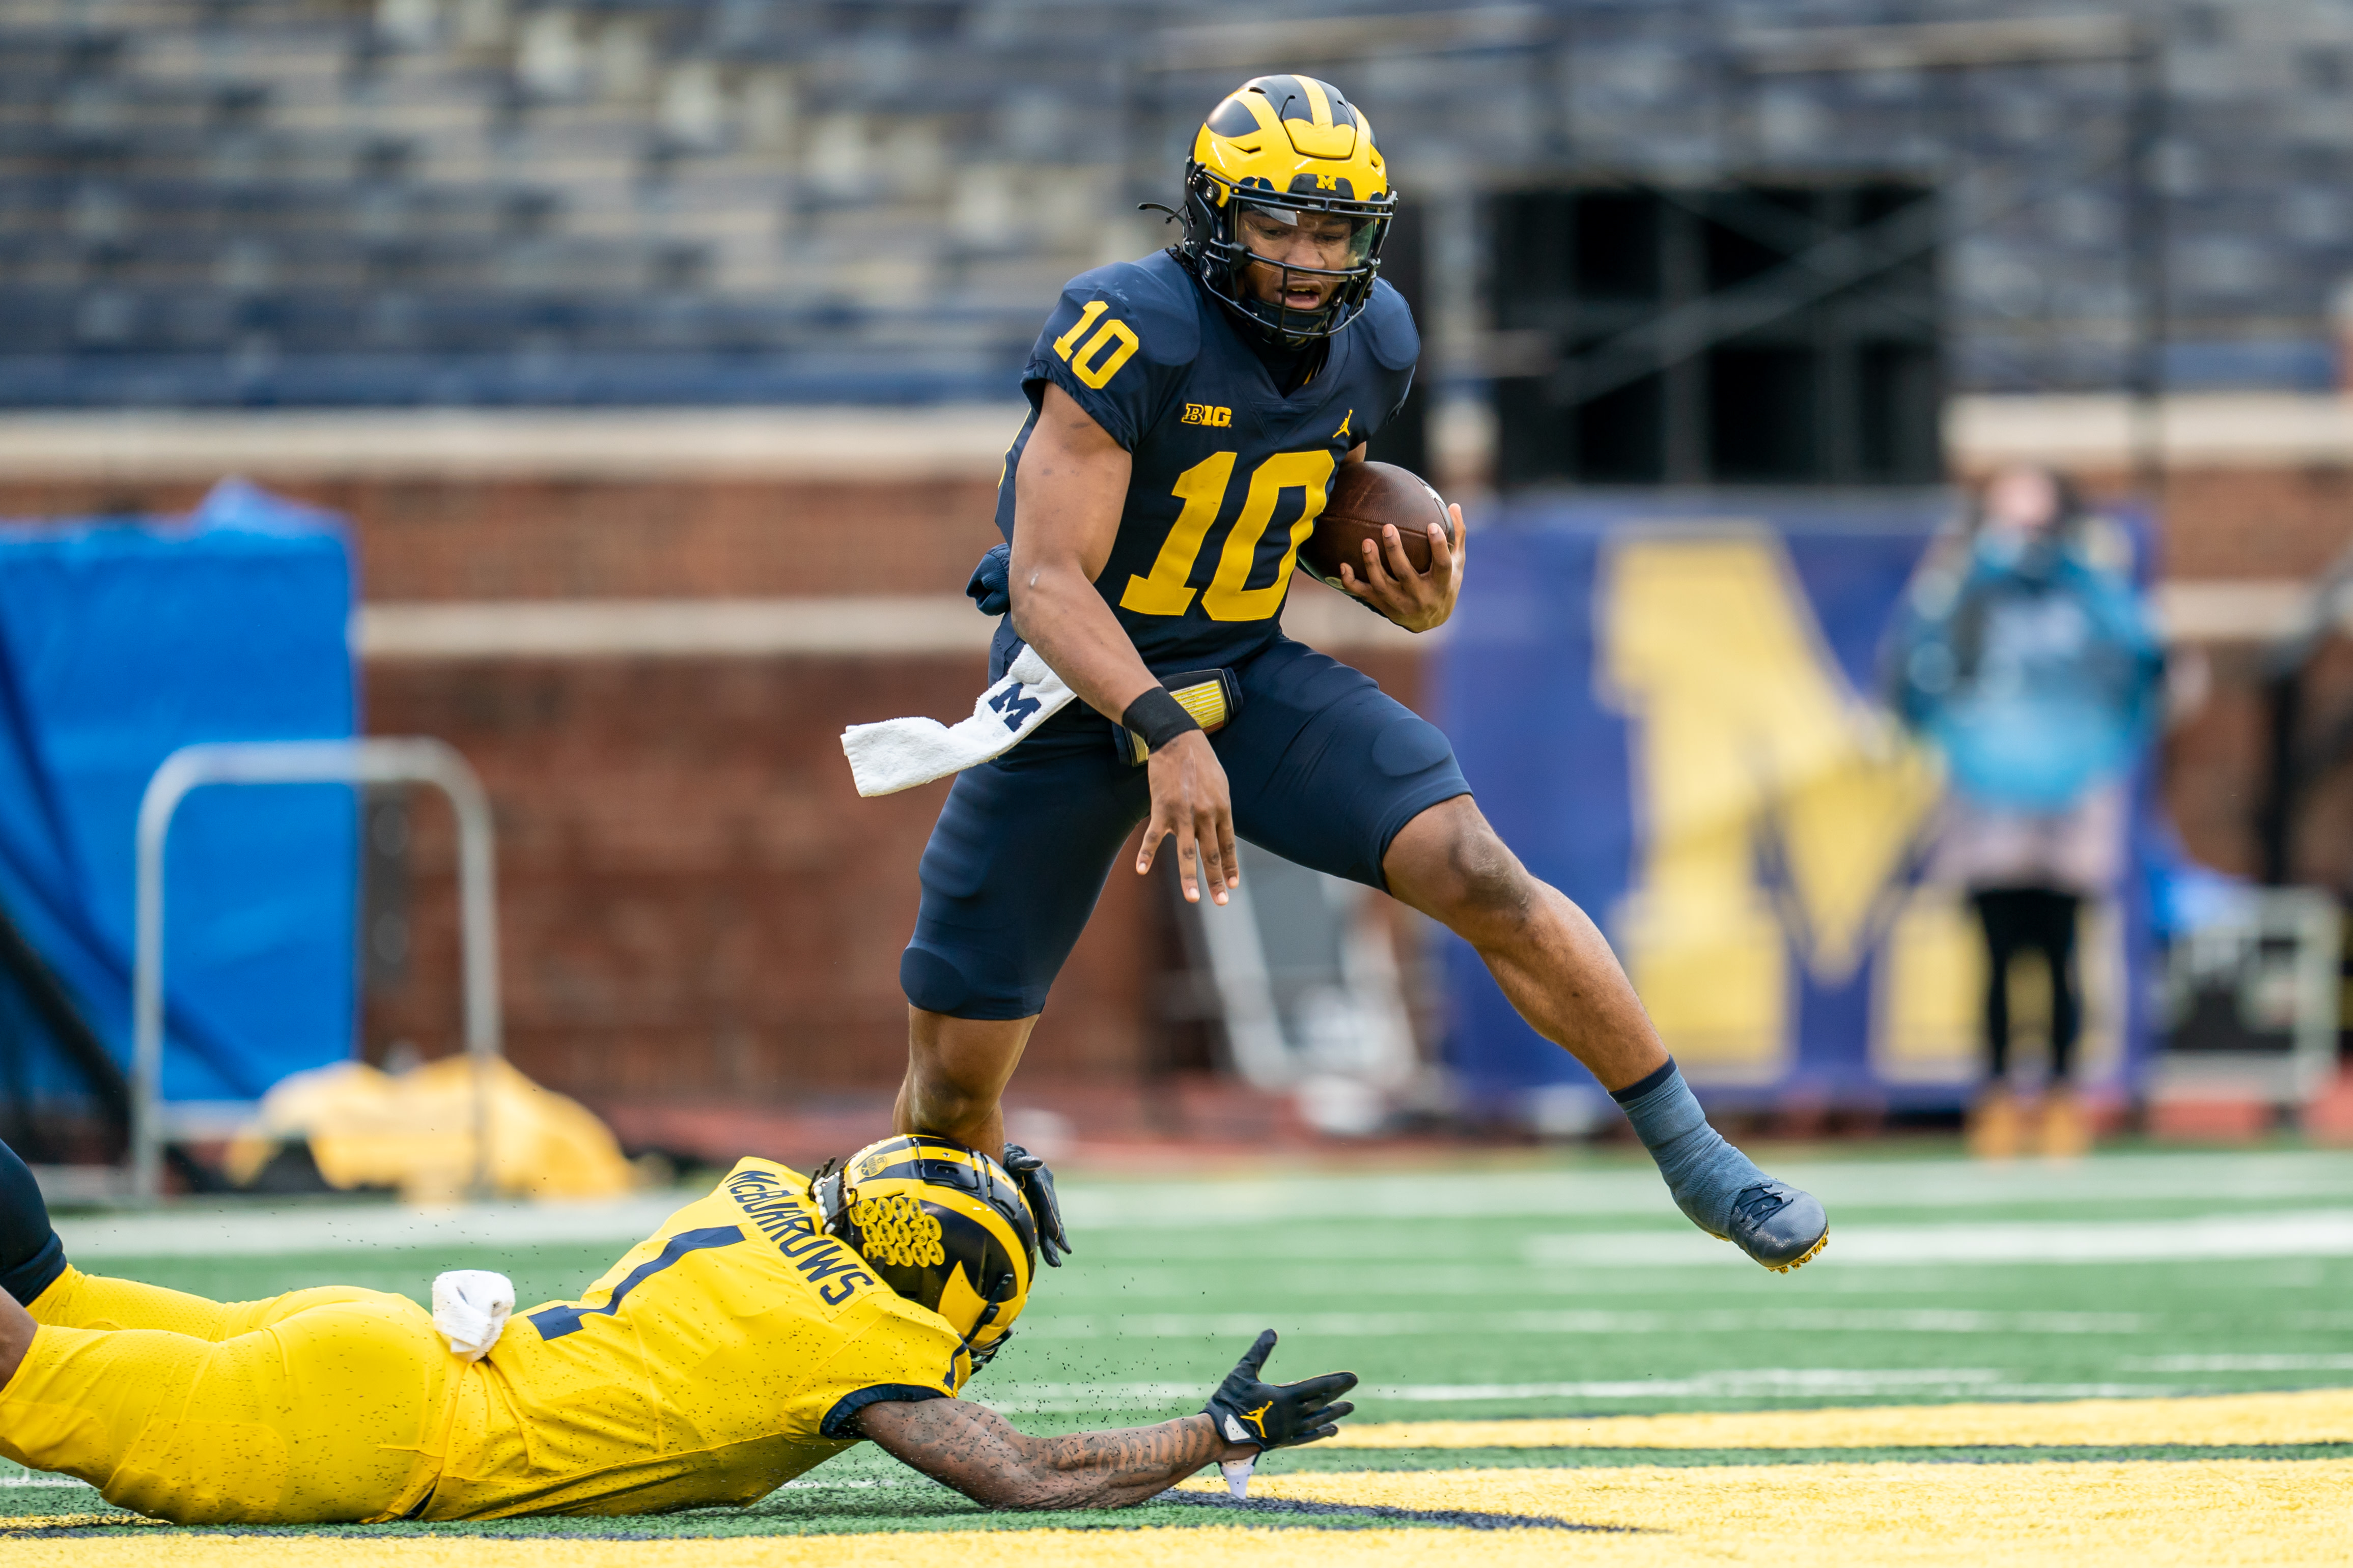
x=974, y=1450
x=1173, y=1448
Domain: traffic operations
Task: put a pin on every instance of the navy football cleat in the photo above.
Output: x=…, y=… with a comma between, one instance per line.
x=1778, y=1226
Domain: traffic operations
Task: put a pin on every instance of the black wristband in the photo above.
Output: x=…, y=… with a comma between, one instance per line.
x=1158, y=718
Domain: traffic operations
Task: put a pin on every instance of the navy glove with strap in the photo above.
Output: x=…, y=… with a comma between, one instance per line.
x=1037, y=1184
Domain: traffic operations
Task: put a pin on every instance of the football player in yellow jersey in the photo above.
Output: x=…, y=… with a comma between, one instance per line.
x=762, y=1329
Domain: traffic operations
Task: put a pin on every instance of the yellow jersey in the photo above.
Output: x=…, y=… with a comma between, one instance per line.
x=721, y=1357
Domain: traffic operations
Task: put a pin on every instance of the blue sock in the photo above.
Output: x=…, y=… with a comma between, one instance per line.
x=1703, y=1171
x=31, y=1256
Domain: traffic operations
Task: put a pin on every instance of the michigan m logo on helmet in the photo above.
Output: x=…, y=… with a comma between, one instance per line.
x=945, y=1227
x=1289, y=149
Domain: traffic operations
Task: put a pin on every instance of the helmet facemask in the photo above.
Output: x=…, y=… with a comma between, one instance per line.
x=1217, y=243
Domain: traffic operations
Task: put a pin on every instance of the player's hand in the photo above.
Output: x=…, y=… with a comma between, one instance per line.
x=1414, y=600
x=1190, y=799
x=1037, y=1186
x=1277, y=1414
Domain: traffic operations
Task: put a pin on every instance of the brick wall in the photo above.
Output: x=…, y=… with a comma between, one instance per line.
x=695, y=904
x=552, y=539
x=2247, y=523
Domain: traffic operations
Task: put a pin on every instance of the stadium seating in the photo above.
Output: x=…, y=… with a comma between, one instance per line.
x=297, y=201
x=404, y=201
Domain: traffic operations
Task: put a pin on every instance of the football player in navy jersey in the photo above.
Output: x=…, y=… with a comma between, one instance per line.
x=1188, y=413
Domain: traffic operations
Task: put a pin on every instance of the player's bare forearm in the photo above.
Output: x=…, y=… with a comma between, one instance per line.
x=976, y=1451
x=1067, y=495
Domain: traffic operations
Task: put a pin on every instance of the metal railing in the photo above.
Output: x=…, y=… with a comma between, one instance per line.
x=358, y=762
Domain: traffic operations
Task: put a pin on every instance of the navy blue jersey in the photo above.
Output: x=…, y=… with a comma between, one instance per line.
x=1228, y=474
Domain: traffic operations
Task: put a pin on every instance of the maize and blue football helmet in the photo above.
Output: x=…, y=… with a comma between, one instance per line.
x=944, y=1226
x=1284, y=146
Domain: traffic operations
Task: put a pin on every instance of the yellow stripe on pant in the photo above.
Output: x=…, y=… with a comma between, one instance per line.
x=316, y=1406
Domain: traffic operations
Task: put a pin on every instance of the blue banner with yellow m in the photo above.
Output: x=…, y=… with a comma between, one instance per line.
x=1670, y=712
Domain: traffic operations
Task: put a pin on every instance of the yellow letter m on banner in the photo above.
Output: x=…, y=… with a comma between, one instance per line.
x=1775, y=811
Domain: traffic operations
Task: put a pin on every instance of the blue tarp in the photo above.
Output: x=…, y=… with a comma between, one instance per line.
x=122, y=640
x=1565, y=718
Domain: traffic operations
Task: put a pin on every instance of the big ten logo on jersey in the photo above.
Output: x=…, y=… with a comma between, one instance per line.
x=1098, y=358
x=1781, y=817
x=786, y=1218
x=1207, y=414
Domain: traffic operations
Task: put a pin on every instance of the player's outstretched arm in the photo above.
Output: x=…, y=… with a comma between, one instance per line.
x=974, y=1450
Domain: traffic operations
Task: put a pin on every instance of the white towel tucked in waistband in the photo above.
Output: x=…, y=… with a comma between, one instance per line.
x=471, y=1308
x=899, y=753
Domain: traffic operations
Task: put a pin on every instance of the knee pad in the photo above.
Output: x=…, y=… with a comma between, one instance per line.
x=931, y=981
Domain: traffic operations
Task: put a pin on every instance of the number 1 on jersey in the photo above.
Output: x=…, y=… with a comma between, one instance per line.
x=1202, y=488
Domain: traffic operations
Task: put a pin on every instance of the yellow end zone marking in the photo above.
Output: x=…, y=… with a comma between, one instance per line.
x=1212, y=1546
x=2089, y=1515
x=2317, y=1415
x=2096, y=1515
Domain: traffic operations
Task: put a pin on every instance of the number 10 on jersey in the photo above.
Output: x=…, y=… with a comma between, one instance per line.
x=1202, y=487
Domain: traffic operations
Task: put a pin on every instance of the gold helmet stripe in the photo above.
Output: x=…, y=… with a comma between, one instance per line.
x=1318, y=106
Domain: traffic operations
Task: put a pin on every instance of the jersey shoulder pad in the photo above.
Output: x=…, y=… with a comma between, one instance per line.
x=1156, y=297
x=1389, y=328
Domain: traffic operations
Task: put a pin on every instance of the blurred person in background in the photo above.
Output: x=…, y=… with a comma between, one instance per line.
x=2029, y=659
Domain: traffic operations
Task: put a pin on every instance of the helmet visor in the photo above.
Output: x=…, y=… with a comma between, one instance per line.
x=1306, y=239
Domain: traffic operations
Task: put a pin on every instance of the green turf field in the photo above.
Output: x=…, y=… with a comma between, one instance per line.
x=1553, y=1286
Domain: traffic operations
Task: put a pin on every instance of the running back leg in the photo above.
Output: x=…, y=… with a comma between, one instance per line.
x=1019, y=856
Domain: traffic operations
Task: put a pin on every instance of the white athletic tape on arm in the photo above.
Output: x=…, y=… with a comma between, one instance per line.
x=899, y=753
x=471, y=1308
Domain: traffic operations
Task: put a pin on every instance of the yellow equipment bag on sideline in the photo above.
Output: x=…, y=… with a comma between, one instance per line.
x=414, y=1131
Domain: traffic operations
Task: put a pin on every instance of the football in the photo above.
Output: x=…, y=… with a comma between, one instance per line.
x=1367, y=496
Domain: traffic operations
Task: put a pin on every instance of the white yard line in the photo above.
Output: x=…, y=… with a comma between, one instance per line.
x=202, y=1232
x=2256, y=1361
x=1862, y=1183
x=1759, y=1382
x=2314, y=1233
x=1386, y=1325
x=1142, y=1209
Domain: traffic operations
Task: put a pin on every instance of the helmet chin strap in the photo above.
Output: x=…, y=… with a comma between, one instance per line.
x=981, y=1358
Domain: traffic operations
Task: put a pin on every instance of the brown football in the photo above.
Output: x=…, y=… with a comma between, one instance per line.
x=1365, y=496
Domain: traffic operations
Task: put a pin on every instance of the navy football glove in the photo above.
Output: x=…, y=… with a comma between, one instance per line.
x=1277, y=1414
x=991, y=586
x=1037, y=1184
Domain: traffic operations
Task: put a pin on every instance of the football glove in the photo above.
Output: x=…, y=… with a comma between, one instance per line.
x=991, y=586
x=1037, y=1184
x=1277, y=1414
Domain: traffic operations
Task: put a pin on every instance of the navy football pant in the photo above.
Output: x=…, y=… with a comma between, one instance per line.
x=1325, y=769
